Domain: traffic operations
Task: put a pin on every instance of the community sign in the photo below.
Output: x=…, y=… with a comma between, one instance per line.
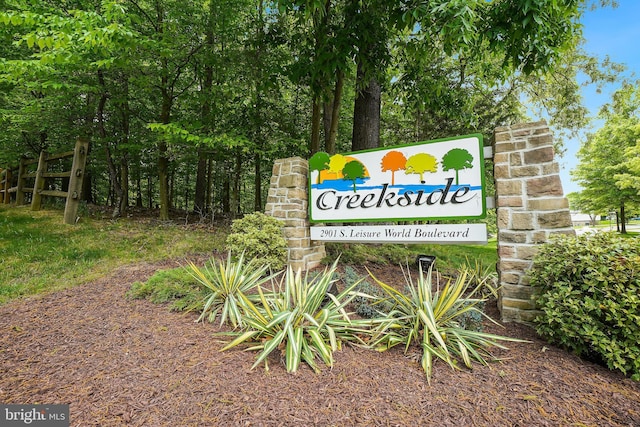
x=433, y=180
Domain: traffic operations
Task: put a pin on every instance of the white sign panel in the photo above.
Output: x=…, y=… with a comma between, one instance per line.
x=430, y=233
x=427, y=181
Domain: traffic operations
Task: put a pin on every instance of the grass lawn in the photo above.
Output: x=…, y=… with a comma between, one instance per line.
x=39, y=253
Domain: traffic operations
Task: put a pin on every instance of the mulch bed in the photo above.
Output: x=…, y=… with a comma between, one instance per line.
x=118, y=361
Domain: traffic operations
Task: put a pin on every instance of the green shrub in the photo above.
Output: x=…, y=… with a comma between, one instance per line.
x=173, y=286
x=363, y=305
x=259, y=236
x=360, y=253
x=588, y=288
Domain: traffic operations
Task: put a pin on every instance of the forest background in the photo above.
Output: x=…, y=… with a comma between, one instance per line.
x=188, y=102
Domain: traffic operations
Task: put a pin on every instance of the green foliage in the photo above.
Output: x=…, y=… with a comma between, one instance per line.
x=172, y=286
x=178, y=81
x=433, y=320
x=448, y=257
x=608, y=169
x=226, y=285
x=259, y=236
x=589, y=293
x=301, y=318
x=369, y=301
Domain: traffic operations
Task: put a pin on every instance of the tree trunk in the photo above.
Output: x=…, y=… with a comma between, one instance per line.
x=163, y=180
x=314, y=146
x=87, y=186
x=138, y=175
x=320, y=20
x=150, y=192
x=124, y=160
x=327, y=108
x=366, y=115
x=124, y=183
x=111, y=166
x=199, y=198
x=209, y=202
x=163, y=159
x=226, y=191
x=257, y=201
x=165, y=118
x=330, y=145
x=235, y=194
x=199, y=203
x=623, y=219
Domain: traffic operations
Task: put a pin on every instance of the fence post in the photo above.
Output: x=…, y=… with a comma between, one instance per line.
x=75, y=181
x=7, y=185
x=36, y=199
x=20, y=185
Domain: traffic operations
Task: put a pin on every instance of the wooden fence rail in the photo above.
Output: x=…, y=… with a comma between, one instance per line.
x=16, y=180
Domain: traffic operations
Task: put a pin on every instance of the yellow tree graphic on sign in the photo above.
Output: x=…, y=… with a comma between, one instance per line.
x=337, y=163
x=421, y=163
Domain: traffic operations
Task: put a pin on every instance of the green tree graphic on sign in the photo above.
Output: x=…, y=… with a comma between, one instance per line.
x=421, y=163
x=352, y=171
x=319, y=162
x=393, y=161
x=457, y=159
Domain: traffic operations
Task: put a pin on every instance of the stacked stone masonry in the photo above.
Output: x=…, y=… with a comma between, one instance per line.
x=530, y=206
x=288, y=202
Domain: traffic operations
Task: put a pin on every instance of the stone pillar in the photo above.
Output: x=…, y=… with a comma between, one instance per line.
x=531, y=206
x=288, y=201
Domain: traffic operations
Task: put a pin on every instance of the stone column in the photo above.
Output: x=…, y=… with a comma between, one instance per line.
x=288, y=201
x=531, y=206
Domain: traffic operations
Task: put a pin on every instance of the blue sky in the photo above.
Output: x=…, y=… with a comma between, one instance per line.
x=608, y=31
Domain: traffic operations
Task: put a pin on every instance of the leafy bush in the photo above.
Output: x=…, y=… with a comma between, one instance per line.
x=170, y=286
x=588, y=289
x=448, y=257
x=369, y=301
x=259, y=236
x=300, y=317
x=227, y=284
x=433, y=321
x=360, y=253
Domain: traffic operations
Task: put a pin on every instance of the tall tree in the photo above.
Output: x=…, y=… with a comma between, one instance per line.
x=603, y=171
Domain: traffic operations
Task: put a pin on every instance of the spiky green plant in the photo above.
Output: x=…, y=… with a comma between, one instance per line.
x=484, y=278
x=431, y=319
x=301, y=318
x=228, y=283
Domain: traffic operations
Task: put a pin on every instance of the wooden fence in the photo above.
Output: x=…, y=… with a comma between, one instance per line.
x=42, y=180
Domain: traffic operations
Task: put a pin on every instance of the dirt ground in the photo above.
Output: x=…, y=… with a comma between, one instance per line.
x=118, y=361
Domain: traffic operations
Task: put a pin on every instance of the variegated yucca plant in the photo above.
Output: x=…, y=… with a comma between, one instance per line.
x=299, y=319
x=432, y=320
x=227, y=284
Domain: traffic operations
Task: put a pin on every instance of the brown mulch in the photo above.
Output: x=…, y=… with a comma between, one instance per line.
x=118, y=361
